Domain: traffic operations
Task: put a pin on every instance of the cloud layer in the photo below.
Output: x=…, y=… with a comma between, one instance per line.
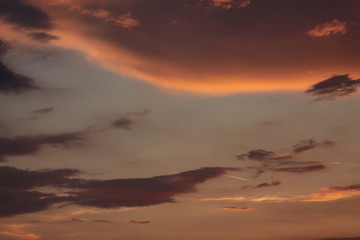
x=206, y=46
x=18, y=192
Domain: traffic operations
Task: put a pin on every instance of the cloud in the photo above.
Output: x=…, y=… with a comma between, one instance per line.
x=26, y=145
x=23, y=15
x=258, y=155
x=271, y=161
x=42, y=37
x=125, y=20
x=311, y=168
x=334, y=87
x=323, y=195
x=230, y=47
x=123, y=123
x=237, y=209
x=265, y=184
x=19, y=189
x=226, y=4
x=43, y=110
x=139, y=222
x=334, y=27
x=142, y=191
x=18, y=231
x=11, y=82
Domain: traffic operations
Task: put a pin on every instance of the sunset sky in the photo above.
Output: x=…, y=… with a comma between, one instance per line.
x=179, y=119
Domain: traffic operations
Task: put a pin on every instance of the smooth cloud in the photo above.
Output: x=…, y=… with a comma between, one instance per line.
x=229, y=47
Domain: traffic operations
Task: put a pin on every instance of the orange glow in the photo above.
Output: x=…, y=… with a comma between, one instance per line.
x=17, y=230
x=324, y=195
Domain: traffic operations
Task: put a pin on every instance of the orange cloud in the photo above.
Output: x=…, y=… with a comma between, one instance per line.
x=236, y=209
x=207, y=52
x=335, y=27
x=17, y=230
x=324, y=195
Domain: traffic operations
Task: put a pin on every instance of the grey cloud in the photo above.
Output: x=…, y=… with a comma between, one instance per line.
x=334, y=87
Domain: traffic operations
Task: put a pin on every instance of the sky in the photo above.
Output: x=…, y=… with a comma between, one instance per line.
x=196, y=119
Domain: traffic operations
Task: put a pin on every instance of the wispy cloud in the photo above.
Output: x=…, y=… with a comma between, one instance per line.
x=237, y=209
x=43, y=110
x=334, y=87
x=139, y=222
x=229, y=4
x=27, y=145
x=42, y=37
x=284, y=162
x=324, y=195
x=262, y=185
x=18, y=231
x=334, y=27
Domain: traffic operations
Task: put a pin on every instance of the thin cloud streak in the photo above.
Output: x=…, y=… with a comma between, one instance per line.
x=324, y=195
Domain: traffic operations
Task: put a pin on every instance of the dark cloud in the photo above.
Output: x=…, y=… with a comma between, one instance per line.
x=346, y=188
x=139, y=222
x=4, y=47
x=305, y=145
x=17, y=196
x=23, y=15
x=43, y=110
x=42, y=37
x=14, y=178
x=258, y=155
x=26, y=145
x=265, y=184
x=18, y=192
x=142, y=191
x=271, y=161
x=11, y=82
x=309, y=144
x=236, y=209
x=123, y=123
x=311, y=168
x=334, y=87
